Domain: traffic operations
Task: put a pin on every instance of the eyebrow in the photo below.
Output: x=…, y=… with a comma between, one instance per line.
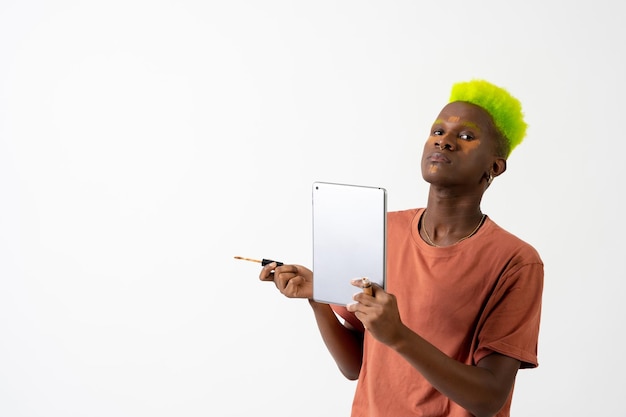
x=456, y=119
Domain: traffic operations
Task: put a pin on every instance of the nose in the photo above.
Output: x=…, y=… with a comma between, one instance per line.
x=444, y=142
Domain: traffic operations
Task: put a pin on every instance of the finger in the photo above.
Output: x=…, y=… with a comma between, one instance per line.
x=267, y=272
x=286, y=272
x=285, y=268
x=283, y=275
x=359, y=313
x=365, y=284
x=362, y=300
x=293, y=287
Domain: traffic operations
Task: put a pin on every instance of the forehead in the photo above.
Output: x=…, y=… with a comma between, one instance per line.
x=466, y=114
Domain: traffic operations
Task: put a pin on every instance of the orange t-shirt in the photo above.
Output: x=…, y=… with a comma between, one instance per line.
x=480, y=296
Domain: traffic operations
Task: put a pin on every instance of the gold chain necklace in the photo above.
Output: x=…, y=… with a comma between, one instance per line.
x=431, y=243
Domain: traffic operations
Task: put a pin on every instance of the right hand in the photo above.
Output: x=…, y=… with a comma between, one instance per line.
x=293, y=281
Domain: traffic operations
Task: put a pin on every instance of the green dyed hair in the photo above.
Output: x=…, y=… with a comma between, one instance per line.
x=505, y=110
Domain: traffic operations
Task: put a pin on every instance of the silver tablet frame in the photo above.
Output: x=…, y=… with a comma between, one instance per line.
x=349, y=239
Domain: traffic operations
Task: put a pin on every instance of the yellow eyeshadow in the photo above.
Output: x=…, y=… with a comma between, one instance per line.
x=456, y=119
x=472, y=125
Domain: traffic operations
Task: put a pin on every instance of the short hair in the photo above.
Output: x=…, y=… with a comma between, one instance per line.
x=504, y=109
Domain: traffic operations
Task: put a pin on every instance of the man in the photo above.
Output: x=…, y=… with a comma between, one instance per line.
x=461, y=309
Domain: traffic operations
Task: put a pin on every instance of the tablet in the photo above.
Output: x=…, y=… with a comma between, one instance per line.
x=349, y=239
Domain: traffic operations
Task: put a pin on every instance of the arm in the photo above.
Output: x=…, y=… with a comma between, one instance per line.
x=481, y=389
x=344, y=344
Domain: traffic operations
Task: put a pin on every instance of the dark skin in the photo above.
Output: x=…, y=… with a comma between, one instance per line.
x=459, y=160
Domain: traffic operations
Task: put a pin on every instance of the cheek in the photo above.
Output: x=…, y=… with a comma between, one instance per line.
x=427, y=145
x=426, y=167
x=470, y=147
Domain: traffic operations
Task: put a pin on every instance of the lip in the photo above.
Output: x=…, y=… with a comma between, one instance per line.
x=438, y=157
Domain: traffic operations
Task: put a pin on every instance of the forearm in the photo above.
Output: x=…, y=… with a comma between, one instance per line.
x=344, y=345
x=480, y=390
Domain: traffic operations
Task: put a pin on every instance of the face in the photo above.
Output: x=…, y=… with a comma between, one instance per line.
x=461, y=148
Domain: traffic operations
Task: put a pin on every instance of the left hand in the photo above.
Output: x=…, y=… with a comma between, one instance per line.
x=378, y=313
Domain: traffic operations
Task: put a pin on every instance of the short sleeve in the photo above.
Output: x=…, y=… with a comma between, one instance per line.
x=510, y=323
x=349, y=317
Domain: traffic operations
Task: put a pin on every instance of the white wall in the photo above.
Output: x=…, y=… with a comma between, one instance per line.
x=143, y=144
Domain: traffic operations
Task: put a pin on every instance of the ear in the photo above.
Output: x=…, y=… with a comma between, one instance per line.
x=498, y=167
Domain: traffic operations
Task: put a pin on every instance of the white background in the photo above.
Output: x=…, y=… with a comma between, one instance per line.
x=143, y=144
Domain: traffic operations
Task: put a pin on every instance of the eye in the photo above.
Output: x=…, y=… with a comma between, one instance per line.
x=466, y=136
x=437, y=132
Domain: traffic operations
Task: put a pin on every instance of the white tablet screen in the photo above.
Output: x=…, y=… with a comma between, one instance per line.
x=349, y=239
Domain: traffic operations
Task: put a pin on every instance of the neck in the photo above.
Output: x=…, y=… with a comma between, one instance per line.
x=446, y=227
